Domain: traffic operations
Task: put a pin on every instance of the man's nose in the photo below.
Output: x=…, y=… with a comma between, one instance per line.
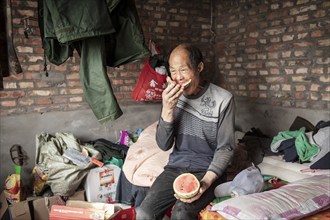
x=180, y=75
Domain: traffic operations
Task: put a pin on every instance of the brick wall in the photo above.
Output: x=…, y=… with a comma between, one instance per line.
x=273, y=52
x=165, y=22
x=3, y=43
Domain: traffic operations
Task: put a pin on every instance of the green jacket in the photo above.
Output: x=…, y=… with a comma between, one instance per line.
x=305, y=149
x=105, y=33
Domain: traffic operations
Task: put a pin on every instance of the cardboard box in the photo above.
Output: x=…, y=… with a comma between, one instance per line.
x=101, y=184
x=39, y=211
x=3, y=204
x=61, y=212
x=42, y=206
x=15, y=211
x=108, y=209
x=20, y=211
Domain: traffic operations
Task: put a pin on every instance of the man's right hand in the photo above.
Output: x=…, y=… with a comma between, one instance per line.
x=170, y=98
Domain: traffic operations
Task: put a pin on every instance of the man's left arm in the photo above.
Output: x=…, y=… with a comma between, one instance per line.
x=225, y=141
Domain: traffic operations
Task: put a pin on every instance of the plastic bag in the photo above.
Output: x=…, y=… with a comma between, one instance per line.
x=63, y=176
x=152, y=79
x=150, y=84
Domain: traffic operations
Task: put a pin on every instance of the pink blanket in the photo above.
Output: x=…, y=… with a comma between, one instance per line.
x=145, y=160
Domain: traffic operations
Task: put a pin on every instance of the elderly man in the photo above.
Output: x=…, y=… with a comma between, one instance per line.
x=197, y=119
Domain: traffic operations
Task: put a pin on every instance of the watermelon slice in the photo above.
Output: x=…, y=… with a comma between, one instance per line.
x=185, y=84
x=186, y=186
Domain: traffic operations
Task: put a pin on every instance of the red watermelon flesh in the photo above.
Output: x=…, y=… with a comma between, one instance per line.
x=186, y=185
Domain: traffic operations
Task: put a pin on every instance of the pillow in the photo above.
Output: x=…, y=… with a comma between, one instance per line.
x=294, y=200
x=276, y=166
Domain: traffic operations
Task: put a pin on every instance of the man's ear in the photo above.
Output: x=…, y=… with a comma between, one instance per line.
x=200, y=67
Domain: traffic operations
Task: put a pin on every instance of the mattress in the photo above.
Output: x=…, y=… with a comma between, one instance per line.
x=276, y=166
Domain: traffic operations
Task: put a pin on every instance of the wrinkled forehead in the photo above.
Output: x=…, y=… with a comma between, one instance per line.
x=179, y=58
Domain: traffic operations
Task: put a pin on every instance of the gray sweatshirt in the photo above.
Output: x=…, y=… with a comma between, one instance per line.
x=202, y=131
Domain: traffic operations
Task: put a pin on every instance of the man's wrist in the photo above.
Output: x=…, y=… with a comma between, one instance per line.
x=167, y=115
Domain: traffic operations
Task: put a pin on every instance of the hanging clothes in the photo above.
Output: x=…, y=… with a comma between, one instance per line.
x=105, y=33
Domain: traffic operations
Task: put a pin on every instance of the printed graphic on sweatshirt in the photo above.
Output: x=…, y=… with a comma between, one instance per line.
x=208, y=106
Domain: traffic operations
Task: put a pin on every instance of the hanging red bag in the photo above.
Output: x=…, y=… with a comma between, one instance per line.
x=151, y=83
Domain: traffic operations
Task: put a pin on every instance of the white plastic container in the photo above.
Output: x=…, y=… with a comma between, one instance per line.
x=101, y=184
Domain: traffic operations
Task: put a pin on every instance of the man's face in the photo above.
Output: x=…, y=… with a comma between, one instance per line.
x=182, y=71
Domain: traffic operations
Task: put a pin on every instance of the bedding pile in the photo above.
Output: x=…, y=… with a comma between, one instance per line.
x=145, y=161
x=299, y=156
x=303, y=152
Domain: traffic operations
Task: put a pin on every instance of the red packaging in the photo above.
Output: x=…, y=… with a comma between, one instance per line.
x=60, y=212
x=125, y=214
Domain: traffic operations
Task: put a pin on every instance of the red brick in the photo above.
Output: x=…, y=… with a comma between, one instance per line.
x=72, y=76
x=43, y=101
x=43, y=84
x=22, y=49
x=314, y=87
x=12, y=94
x=35, y=68
x=40, y=92
x=76, y=99
x=324, y=43
x=325, y=97
x=26, y=13
x=9, y=85
x=320, y=13
x=59, y=100
x=60, y=68
x=75, y=91
x=74, y=84
x=8, y=103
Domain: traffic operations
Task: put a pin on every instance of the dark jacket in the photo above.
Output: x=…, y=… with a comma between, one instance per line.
x=105, y=33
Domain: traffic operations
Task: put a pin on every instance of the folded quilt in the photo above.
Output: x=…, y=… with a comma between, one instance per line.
x=145, y=160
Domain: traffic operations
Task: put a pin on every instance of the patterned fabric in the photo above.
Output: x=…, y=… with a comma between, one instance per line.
x=294, y=200
x=323, y=215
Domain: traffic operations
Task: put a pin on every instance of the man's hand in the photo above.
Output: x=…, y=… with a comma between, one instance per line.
x=205, y=182
x=170, y=98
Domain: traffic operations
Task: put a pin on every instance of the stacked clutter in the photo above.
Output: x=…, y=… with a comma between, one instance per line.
x=13, y=189
x=70, y=179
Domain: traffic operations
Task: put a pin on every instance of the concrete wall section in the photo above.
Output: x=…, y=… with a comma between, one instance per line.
x=272, y=119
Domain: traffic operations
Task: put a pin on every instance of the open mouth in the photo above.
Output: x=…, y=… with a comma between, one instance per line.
x=184, y=84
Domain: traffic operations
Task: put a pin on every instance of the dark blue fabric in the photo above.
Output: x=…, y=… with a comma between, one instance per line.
x=129, y=193
x=323, y=163
x=289, y=150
